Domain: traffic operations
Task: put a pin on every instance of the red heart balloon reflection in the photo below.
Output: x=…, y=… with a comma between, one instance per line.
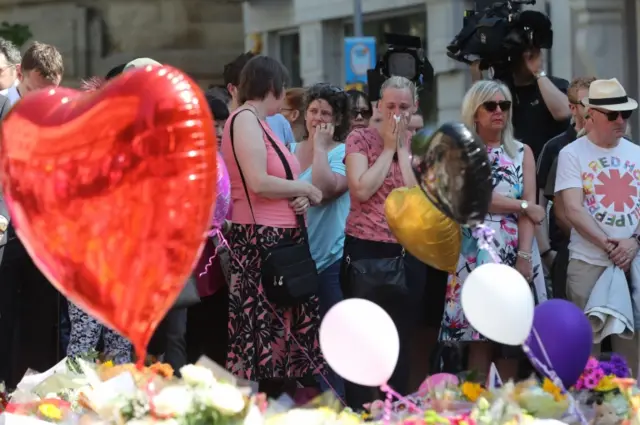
x=112, y=192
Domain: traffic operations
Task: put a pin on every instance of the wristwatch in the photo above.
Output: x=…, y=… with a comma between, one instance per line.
x=540, y=74
x=636, y=237
x=523, y=207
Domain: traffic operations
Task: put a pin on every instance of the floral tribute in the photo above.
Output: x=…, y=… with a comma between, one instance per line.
x=600, y=376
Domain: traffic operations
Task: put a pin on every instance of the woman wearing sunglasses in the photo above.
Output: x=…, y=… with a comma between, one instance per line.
x=360, y=109
x=513, y=215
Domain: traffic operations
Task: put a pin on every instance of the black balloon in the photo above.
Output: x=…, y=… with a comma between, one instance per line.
x=453, y=169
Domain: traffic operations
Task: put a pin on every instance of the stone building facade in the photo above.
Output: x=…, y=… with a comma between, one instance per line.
x=598, y=37
x=198, y=36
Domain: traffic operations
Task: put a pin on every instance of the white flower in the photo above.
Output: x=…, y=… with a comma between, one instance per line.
x=254, y=417
x=304, y=416
x=173, y=401
x=225, y=397
x=51, y=396
x=197, y=376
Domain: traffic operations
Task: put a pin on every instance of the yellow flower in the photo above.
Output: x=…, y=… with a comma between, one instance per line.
x=472, y=391
x=607, y=384
x=108, y=364
x=552, y=389
x=50, y=411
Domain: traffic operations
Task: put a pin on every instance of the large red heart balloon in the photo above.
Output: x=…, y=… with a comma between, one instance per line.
x=112, y=192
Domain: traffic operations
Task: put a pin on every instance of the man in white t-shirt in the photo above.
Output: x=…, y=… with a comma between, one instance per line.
x=598, y=179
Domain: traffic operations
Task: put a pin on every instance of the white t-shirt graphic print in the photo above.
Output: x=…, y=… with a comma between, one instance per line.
x=609, y=179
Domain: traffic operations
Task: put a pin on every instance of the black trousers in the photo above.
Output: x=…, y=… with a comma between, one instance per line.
x=170, y=339
x=406, y=310
x=559, y=272
x=207, y=328
x=29, y=317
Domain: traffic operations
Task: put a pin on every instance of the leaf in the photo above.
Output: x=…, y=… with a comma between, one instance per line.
x=19, y=34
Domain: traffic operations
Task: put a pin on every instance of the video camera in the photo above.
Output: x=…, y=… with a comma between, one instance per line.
x=499, y=34
x=404, y=57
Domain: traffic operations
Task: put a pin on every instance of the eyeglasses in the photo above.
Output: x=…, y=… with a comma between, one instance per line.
x=492, y=105
x=613, y=115
x=365, y=113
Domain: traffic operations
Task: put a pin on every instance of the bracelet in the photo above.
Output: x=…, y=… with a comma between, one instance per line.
x=525, y=255
x=544, y=254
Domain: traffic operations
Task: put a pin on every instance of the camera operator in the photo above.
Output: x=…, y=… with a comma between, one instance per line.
x=540, y=109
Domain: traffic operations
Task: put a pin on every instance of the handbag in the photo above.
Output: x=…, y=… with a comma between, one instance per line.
x=188, y=296
x=372, y=278
x=289, y=273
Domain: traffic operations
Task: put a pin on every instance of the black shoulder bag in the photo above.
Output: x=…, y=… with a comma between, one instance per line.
x=289, y=274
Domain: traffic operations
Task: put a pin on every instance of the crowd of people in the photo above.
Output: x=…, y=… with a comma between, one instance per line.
x=563, y=210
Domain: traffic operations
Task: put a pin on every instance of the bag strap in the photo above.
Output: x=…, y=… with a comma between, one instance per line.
x=285, y=164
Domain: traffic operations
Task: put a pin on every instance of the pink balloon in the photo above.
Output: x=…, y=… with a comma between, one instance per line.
x=360, y=342
x=223, y=195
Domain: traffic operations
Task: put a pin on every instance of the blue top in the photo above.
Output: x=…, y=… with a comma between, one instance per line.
x=326, y=222
x=281, y=127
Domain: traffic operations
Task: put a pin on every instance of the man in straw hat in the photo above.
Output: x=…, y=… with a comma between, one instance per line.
x=597, y=179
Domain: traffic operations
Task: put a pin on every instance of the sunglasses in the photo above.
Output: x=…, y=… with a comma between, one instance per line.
x=492, y=105
x=365, y=113
x=613, y=115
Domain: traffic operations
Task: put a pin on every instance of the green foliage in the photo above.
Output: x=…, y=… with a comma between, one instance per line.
x=17, y=33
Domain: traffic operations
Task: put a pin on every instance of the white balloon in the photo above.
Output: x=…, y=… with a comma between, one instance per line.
x=360, y=342
x=498, y=303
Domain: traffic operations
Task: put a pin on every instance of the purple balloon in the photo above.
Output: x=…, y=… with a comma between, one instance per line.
x=567, y=337
x=223, y=195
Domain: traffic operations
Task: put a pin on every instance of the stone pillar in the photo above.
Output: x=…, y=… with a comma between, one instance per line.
x=599, y=38
x=312, y=48
x=444, y=21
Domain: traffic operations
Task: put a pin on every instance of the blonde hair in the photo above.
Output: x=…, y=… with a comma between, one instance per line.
x=483, y=91
x=401, y=83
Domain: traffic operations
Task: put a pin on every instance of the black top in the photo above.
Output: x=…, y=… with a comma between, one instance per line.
x=533, y=123
x=546, y=176
x=550, y=152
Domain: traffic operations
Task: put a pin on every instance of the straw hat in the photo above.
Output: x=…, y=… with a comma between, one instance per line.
x=609, y=95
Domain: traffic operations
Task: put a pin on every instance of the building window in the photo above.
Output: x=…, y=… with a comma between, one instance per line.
x=290, y=56
x=413, y=23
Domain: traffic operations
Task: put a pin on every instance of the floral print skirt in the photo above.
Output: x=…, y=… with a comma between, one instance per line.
x=454, y=324
x=267, y=342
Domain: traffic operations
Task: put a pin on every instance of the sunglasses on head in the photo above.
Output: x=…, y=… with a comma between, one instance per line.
x=613, y=115
x=492, y=105
x=365, y=113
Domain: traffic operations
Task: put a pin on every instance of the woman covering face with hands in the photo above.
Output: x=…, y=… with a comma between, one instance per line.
x=378, y=161
x=321, y=157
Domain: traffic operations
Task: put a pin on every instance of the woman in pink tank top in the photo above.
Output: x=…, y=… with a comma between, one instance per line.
x=263, y=338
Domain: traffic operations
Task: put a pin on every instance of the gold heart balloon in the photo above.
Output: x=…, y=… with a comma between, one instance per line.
x=422, y=229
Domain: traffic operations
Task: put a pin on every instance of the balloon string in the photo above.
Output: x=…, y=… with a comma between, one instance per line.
x=388, y=406
x=551, y=374
x=484, y=235
x=222, y=243
x=302, y=349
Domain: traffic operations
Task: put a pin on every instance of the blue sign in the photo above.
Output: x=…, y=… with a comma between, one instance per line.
x=359, y=56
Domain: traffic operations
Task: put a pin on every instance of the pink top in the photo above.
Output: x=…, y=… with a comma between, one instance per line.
x=267, y=212
x=366, y=220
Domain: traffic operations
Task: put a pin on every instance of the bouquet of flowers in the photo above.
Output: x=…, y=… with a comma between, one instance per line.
x=599, y=383
x=48, y=410
x=197, y=398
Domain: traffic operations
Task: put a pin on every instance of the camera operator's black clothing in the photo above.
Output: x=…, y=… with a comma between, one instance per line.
x=533, y=123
